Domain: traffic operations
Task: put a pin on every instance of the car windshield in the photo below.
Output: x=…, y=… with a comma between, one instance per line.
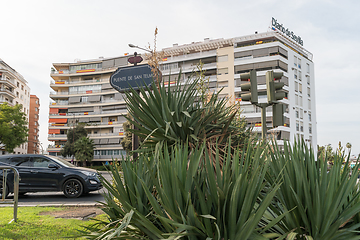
x=61, y=161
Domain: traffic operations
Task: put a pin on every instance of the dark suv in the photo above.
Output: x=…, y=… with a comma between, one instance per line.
x=44, y=173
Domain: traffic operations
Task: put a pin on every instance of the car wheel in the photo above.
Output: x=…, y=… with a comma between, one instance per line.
x=73, y=188
x=1, y=190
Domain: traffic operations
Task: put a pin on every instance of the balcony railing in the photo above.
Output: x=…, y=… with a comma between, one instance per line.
x=84, y=103
x=82, y=92
x=55, y=125
x=89, y=113
x=7, y=91
x=62, y=82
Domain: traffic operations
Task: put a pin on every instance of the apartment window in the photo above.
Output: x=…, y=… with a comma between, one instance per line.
x=222, y=71
x=300, y=101
x=309, y=103
x=301, y=113
x=84, y=99
x=308, y=92
x=308, y=68
x=299, y=63
x=35, y=123
x=309, y=117
x=296, y=86
x=25, y=92
x=296, y=99
x=297, y=126
x=299, y=76
x=21, y=96
x=295, y=74
x=17, y=94
x=308, y=80
x=310, y=128
x=36, y=109
x=297, y=113
x=223, y=58
x=300, y=87
x=17, y=84
x=36, y=102
x=295, y=61
x=301, y=126
x=22, y=87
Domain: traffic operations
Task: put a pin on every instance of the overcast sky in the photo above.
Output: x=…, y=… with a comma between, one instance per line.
x=37, y=33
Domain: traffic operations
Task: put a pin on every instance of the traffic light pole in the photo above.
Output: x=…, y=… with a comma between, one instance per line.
x=263, y=119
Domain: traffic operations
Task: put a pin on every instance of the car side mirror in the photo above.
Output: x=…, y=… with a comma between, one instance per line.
x=53, y=166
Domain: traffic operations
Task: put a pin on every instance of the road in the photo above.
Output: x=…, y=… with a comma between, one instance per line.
x=58, y=198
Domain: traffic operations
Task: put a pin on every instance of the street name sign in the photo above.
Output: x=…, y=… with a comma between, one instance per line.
x=135, y=77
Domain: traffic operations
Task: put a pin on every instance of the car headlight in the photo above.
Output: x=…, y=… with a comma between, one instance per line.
x=89, y=174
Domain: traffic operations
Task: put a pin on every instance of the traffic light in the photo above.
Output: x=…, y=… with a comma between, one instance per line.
x=249, y=90
x=274, y=89
x=278, y=114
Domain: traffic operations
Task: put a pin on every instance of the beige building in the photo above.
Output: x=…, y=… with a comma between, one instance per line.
x=14, y=90
x=82, y=93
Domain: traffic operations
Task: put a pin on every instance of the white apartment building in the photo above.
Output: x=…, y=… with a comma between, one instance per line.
x=82, y=93
x=225, y=59
x=14, y=90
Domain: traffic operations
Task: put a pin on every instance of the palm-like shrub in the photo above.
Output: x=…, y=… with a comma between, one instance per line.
x=180, y=114
x=180, y=193
x=321, y=203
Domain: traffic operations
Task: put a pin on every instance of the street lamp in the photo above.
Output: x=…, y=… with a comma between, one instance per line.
x=134, y=46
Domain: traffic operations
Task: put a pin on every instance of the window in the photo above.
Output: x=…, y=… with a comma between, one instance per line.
x=308, y=92
x=310, y=128
x=310, y=117
x=308, y=80
x=296, y=86
x=297, y=126
x=25, y=92
x=301, y=126
x=308, y=68
x=296, y=99
x=299, y=63
x=295, y=61
x=297, y=113
x=17, y=84
x=295, y=74
x=22, y=87
x=20, y=161
x=40, y=162
x=309, y=103
x=301, y=113
x=223, y=58
x=84, y=99
x=300, y=87
x=36, y=109
x=299, y=75
x=17, y=94
x=222, y=71
x=300, y=101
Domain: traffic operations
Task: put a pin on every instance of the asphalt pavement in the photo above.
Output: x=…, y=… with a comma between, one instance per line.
x=58, y=198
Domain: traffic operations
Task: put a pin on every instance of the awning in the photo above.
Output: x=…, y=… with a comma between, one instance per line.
x=54, y=131
x=58, y=120
x=54, y=110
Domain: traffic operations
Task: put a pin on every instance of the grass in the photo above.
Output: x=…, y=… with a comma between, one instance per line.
x=31, y=225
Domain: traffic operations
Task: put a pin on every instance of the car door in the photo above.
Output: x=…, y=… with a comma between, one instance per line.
x=22, y=164
x=45, y=178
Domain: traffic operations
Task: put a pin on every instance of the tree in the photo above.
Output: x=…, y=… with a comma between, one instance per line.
x=84, y=150
x=13, y=130
x=73, y=135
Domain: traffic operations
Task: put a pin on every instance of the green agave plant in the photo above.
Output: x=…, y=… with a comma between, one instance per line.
x=179, y=114
x=320, y=203
x=180, y=193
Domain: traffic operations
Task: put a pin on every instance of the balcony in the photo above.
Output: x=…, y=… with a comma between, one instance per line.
x=65, y=82
x=83, y=71
x=121, y=111
x=66, y=94
x=9, y=82
x=85, y=103
x=4, y=101
x=89, y=125
x=7, y=92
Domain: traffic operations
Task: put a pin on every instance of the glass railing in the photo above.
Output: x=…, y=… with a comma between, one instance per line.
x=88, y=113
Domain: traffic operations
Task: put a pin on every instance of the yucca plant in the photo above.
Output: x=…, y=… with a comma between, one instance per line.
x=179, y=193
x=320, y=202
x=178, y=114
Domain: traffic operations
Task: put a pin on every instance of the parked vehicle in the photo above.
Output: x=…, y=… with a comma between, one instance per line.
x=45, y=173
